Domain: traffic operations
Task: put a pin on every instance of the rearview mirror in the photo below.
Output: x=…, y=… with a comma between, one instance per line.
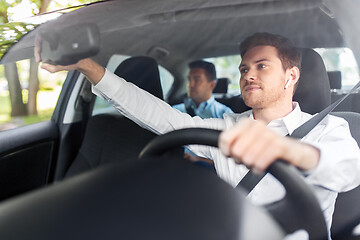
x=68, y=45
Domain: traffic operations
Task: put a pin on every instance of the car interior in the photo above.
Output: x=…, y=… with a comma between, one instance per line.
x=80, y=175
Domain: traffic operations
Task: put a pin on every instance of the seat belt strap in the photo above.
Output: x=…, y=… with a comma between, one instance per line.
x=305, y=128
x=250, y=180
x=190, y=111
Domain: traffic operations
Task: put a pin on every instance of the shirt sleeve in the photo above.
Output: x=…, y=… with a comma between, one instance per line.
x=228, y=110
x=180, y=107
x=339, y=165
x=145, y=109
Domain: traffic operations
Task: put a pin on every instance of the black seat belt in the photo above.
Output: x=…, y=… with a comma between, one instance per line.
x=250, y=180
x=190, y=110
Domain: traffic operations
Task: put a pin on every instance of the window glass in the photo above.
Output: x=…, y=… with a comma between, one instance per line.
x=228, y=66
x=343, y=60
x=28, y=94
x=166, y=79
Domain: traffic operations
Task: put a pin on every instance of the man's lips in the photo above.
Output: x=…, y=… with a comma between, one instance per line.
x=252, y=88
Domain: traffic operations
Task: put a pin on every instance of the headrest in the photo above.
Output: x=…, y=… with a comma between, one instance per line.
x=143, y=72
x=221, y=85
x=334, y=79
x=313, y=90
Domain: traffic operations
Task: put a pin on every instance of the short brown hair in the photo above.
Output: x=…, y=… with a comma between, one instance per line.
x=289, y=55
x=207, y=66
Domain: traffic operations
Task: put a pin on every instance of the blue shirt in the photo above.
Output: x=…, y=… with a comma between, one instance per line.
x=208, y=109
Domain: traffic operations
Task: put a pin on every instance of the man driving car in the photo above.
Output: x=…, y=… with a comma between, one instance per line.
x=269, y=74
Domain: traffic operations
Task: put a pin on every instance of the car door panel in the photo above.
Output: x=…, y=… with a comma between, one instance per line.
x=26, y=157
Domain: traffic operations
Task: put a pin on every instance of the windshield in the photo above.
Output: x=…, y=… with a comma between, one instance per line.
x=12, y=32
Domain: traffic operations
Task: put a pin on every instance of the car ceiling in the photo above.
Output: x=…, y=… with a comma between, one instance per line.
x=191, y=29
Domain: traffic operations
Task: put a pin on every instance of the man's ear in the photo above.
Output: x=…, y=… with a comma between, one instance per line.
x=213, y=84
x=294, y=75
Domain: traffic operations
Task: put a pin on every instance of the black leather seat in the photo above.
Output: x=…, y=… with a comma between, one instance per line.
x=112, y=137
x=334, y=79
x=313, y=94
x=221, y=85
x=347, y=211
x=143, y=72
x=313, y=90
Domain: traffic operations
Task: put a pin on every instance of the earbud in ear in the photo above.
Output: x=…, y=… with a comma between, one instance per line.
x=288, y=83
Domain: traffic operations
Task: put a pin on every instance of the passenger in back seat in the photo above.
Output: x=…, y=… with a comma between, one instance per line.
x=200, y=102
x=200, y=85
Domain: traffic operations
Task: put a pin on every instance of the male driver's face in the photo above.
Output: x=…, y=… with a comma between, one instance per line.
x=262, y=77
x=198, y=87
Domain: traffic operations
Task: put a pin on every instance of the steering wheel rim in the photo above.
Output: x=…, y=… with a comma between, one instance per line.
x=299, y=209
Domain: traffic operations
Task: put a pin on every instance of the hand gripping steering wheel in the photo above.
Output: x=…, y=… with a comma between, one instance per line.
x=299, y=209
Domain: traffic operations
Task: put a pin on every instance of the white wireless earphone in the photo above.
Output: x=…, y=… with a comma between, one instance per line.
x=288, y=83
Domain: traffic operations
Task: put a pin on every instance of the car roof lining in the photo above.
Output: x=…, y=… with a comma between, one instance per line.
x=175, y=16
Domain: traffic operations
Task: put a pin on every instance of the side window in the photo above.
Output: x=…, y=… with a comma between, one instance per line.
x=166, y=79
x=28, y=94
x=342, y=60
x=228, y=67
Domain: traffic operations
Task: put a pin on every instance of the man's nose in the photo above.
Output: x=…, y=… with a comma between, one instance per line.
x=250, y=75
x=191, y=83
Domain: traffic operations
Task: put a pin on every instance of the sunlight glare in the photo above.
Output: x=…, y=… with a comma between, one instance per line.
x=20, y=11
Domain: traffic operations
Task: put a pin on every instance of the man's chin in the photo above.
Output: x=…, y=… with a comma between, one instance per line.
x=252, y=103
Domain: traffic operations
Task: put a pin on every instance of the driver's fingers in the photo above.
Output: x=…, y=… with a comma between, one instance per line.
x=227, y=137
x=272, y=149
x=37, y=48
x=252, y=143
x=56, y=68
x=254, y=153
x=241, y=148
x=234, y=142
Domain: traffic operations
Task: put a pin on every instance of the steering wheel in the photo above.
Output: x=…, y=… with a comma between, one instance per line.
x=299, y=209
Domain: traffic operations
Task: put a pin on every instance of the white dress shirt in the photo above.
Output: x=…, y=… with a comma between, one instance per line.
x=337, y=171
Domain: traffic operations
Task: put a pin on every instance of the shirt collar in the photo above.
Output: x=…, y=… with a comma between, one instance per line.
x=290, y=121
x=189, y=101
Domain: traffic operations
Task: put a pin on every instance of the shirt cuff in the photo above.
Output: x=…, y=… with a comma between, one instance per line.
x=108, y=85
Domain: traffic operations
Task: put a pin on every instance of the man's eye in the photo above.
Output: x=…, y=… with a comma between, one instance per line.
x=261, y=66
x=244, y=70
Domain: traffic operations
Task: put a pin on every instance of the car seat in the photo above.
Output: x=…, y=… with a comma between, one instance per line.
x=112, y=137
x=313, y=90
x=313, y=94
x=221, y=86
x=334, y=80
x=347, y=211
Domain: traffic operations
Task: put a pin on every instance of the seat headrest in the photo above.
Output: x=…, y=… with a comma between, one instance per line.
x=142, y=71
x=334, y=79
x=313, y=90
x=221, y=85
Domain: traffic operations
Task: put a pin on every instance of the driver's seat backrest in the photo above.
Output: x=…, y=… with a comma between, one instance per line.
x=347, y=211
x=313, y=94
x=142, y=71
x=313, y=90
x=112, y=137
